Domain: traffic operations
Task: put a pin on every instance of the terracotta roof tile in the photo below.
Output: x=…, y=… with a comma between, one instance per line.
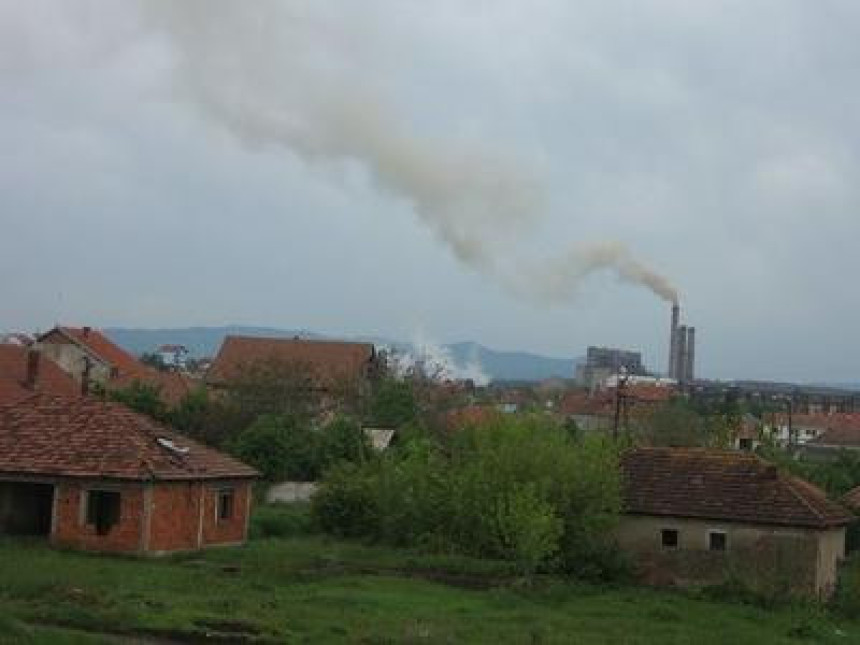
x=330, y=359
x=13, y=375
x=852, y=499
x=85, y=437
x=722, y=485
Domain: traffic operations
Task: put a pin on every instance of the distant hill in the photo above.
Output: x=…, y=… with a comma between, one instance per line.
x=466, y=356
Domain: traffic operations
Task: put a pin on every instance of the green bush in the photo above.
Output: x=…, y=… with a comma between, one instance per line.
x=846, y=599
x=281, y=521
x=346, y=504
x=521, y=490
x=280, y=447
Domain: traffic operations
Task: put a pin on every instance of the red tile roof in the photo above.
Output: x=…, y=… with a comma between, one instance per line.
x=852, y=499
x=839, y=430
x=13, y=375
x=331, y=360
x=723, y=486
x=85, y=437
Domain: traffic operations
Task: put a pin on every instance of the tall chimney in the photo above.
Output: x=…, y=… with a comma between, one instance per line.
x=691, y=355
x=673, y=340
x=32, y=377
x=681, y=355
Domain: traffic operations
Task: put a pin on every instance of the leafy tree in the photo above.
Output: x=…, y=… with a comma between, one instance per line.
x=282, y=448
x=393, y=403
x=519, y=488
x=206, y=418
x=341, y=440
x=274, y=387
x=140, y=397
x=679, y=424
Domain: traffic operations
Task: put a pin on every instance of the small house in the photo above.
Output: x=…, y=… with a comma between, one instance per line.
x=94, y=475
x=89, y=356
x=697, y=516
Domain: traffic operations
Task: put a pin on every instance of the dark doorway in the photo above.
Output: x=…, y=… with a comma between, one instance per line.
x=26, y=509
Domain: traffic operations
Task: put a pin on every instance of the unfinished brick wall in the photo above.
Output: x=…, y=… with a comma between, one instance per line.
x=230, y=531
x=174, y=516
x=154, y=518
x=71, y=529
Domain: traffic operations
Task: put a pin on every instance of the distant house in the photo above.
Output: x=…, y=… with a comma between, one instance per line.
x=93, y=475
x=748, y=435
x=24, y=371
x=88, y=355
x=15, y=338
x=596, y=411
x=174, y=356
x=333, y=365
x=699, y=516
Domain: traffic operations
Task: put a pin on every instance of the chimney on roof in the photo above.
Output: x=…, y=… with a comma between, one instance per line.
x=32, y=377
x=87, y=331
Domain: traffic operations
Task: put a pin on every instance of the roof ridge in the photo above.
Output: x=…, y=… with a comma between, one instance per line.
x=789, y=481
x=79, y=343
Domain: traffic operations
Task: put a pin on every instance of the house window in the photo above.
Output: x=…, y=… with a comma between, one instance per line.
x=103, y=510
x=225, y=504
x=745, y=443
x=669, y=538
x=717, y=540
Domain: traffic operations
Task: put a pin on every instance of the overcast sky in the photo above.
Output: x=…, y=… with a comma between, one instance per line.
x=718, y=141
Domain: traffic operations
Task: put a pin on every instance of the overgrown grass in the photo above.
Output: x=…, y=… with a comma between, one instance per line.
x=310, y=589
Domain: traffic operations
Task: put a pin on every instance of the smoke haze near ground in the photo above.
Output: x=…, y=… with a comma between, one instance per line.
x=264, y=72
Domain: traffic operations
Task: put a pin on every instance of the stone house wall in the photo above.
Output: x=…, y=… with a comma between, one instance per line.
x=804, y=560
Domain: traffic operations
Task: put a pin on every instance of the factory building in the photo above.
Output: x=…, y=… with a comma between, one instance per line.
x=601, y=363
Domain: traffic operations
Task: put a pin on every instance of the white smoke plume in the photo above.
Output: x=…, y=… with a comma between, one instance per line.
x=281, y=73
x=433, y=359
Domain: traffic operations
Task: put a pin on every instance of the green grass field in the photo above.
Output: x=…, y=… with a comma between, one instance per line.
x=310, y=589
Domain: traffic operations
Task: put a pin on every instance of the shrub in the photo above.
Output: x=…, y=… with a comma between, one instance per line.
x=281, y=521
x=846, y=599
x=346, y=505
x=521, y=490
x=281, y=448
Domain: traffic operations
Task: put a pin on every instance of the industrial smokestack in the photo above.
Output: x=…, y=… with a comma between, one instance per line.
x=673, y=340
x=681, y=354
x=690, y=370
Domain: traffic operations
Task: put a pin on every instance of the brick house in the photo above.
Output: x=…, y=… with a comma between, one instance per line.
x=88, y=355
x=696, y=516
x=93, y=475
